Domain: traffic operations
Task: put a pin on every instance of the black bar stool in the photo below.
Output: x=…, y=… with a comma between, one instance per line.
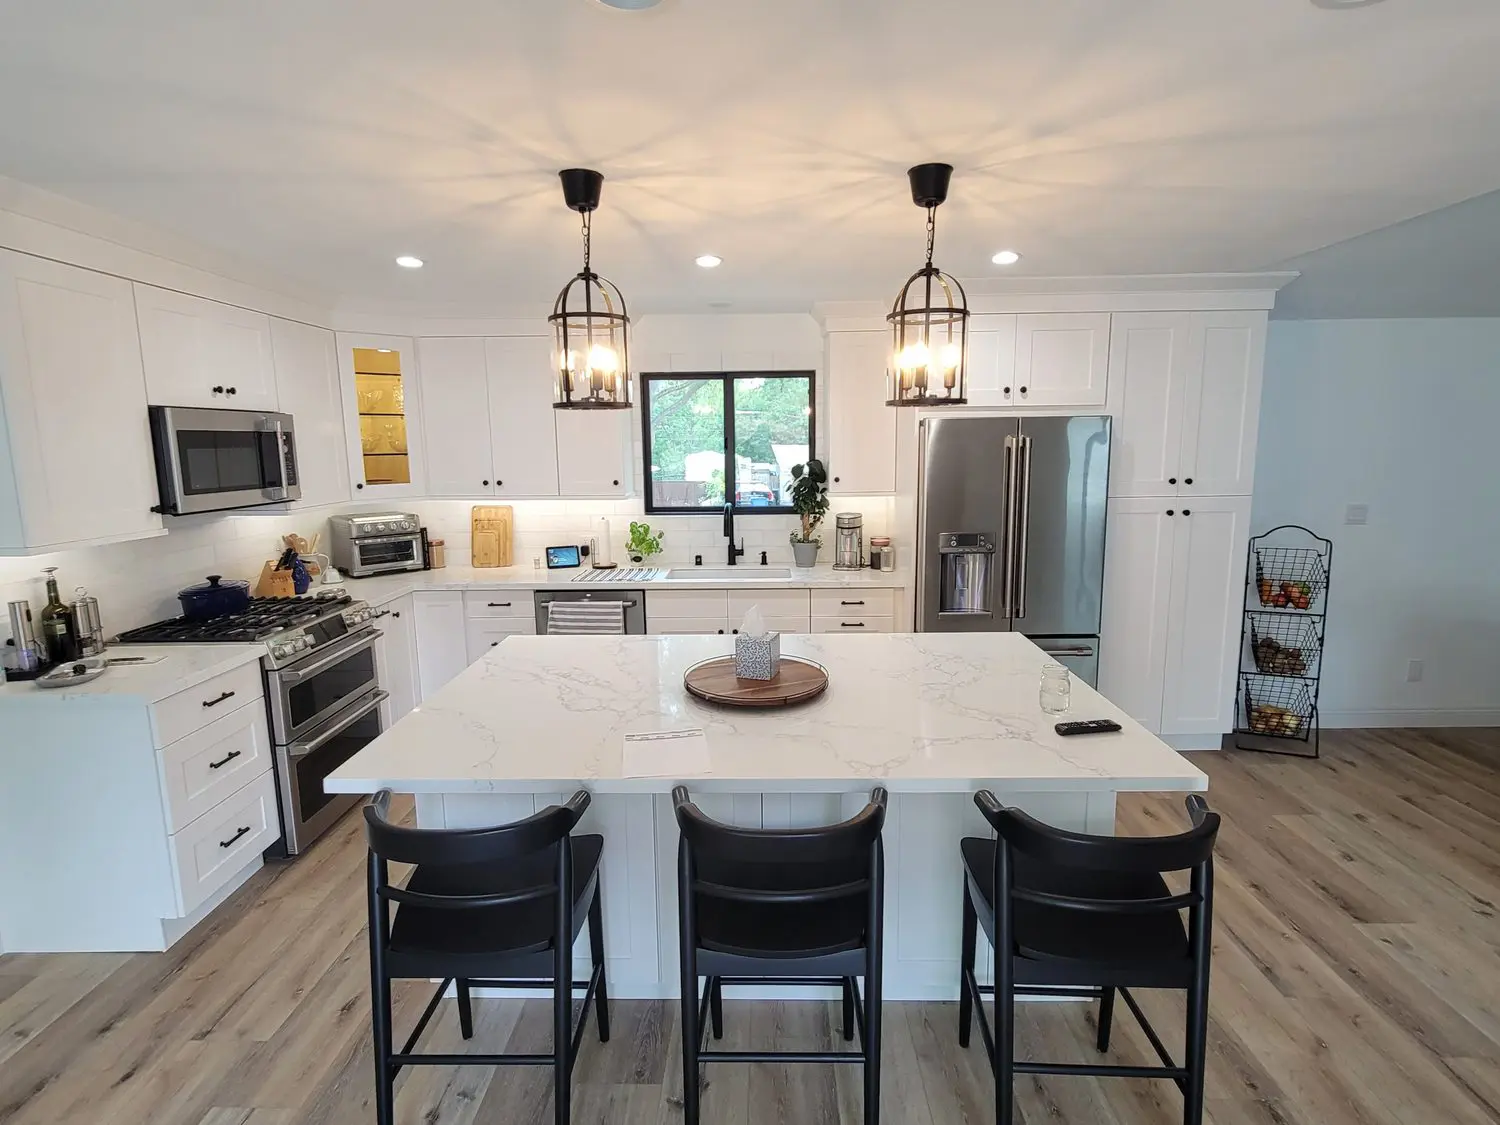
x=797, y=906
x=496, y=907
x=1087, y=916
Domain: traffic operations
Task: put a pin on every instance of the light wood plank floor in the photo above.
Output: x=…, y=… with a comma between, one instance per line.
x=1356, y=980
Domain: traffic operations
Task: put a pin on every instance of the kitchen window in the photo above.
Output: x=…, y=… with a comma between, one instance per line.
x=731, y=437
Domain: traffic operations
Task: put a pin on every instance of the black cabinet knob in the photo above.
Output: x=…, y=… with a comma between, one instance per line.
x=835, y=480
x=486, y=483
x=615, y=483
x=735, y=631
x=1187, y=480
x=1187, y=511
x=1023, y=390
x=231, y=390
x=499, y=483
x=1005, y=391
x=395, y=613
x=1171, y=480
x=357, y=485
x=1170, y=512
x=721, y=631
x=218, y=390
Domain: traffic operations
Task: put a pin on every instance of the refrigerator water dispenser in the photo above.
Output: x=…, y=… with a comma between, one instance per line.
x=968, y=560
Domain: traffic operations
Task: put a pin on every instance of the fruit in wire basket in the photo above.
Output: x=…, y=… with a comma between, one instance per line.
x=1278, y=659
x=1267, y=590
x=1267, y=718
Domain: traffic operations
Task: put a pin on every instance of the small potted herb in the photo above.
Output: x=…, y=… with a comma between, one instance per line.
x=810, y=502
x=643, y=542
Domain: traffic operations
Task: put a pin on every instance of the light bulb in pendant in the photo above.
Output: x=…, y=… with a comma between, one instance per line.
x=603, y=359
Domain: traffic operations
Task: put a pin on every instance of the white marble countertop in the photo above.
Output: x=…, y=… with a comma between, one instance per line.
x=929, y=712
x=379, y=589
x=173, y=668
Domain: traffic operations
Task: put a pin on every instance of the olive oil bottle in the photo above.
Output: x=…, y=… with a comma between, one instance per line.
x=58, y=631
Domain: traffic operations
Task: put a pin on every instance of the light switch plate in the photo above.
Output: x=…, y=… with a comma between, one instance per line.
x=1357, y=513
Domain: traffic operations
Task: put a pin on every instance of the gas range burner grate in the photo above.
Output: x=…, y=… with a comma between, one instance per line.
x=263, y=618
x=620, y=574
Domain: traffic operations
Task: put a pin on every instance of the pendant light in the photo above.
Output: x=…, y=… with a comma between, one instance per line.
x=590, y=327
x=930, y=319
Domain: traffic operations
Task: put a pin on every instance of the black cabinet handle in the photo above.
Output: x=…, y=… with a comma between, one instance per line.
x=851, y=624
x=1170, y=512
x=236, y=836
x=721, y=631
x=485, y=483
x=225, y=760
x=499, y=605
x=493, y=643
x=382, y=613
x=852, y=603
x=395, y=613
x=1005, y=391
x=499, y=483
x=835, y=480
x=231, y=390
x=615, y=483
x=735, y=631
x=219, y=700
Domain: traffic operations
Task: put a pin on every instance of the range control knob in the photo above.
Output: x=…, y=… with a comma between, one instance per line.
x=408, y=525
x=281, y=650
x=382, y=527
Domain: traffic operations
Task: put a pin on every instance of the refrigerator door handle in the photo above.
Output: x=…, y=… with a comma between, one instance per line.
x=1023, y=523
x=1004, y=558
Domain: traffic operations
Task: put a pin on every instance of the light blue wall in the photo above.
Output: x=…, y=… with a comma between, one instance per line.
x=1402, y=415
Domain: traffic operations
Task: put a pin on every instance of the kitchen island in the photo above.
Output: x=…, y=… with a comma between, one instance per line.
x=932, y=717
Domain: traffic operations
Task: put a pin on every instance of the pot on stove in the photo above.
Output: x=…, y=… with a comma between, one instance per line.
x=214, y=598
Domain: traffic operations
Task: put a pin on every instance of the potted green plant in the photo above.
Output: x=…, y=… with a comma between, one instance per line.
x=643, y=542
x=810, y=502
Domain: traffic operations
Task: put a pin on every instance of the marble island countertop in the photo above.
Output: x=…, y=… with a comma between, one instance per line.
x=934, y=713
x=380, y=589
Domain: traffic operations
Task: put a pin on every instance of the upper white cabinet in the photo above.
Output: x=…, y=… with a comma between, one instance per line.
x=1184, y=390
x=199, y=352
x=75, y=447
x=992, y=359
x=1061, y=359
x=307, y=380
x=1174, y=573
x=861, y=446
x=456, y=416
x=381, y=384
x=594, y=452
x=523, y=424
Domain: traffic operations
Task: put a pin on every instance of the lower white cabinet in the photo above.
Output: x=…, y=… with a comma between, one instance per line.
x=212, y=763
x=1174, y=576
x=851, y=623
x=209, y=851
x=438, y=617
x=484, y=633
x=396, y=659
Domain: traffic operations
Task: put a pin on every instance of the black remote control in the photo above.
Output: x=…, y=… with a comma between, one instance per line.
x=1086, y=726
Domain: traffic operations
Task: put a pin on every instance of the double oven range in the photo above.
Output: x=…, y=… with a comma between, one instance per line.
x=322, y=693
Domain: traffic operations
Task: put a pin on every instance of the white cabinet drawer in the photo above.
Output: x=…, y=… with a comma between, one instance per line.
x=687, y=626
x=499, y=603
x=180, y=715
x=686, y=603
x=853, y=624
x=482, y=634
x=224, y=839
x=790, y=623
x=872, y=603
x=208, y=765
x=773, y=603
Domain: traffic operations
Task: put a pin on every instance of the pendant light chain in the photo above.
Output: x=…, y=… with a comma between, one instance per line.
x=931, y=231
x=586, y=248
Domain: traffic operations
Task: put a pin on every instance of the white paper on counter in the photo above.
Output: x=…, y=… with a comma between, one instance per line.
x=666, y=753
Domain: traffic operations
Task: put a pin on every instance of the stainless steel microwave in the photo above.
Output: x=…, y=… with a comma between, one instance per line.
x=210, y=460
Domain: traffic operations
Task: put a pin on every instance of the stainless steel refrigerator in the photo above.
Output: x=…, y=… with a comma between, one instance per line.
x=1011, y=530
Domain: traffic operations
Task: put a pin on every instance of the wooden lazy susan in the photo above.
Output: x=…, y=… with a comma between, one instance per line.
x=797, y=680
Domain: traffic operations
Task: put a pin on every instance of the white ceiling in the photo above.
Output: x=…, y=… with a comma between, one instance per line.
x=1096, y=136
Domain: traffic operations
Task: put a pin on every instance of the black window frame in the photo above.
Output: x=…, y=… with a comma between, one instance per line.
x=726, y=380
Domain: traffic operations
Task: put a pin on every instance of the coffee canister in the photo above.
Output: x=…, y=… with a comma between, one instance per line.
x=87, y=623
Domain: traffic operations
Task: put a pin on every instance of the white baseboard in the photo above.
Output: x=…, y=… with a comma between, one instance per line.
x=1190, y=742
x=1412, y=717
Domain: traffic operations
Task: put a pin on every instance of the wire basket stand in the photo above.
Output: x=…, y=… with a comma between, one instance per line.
x=1281, y=645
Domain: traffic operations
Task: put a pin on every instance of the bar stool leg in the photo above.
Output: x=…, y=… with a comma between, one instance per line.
x=465, y=1010
x=1106, y=1016
x=596, y=954
x=716, y=1005
x=872, y=1037
x=848, y=1009
x=1196, y=1047
x=562, y=1033
x=965, y=967
x=691, y=1034
x=385, y=1079
x=1005, y=1037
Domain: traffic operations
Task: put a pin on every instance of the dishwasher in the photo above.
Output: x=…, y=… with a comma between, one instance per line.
x=633, y=600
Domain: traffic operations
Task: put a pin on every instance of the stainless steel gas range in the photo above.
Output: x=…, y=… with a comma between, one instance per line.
x=322, y=693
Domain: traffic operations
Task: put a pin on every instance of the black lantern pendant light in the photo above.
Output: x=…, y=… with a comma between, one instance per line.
x=590, y=327
x=930, y=319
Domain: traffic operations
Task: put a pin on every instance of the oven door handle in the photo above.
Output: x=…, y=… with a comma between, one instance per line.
x=297, y=675
x=302, y=749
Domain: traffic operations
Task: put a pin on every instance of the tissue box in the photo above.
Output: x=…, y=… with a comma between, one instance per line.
x=757, y=658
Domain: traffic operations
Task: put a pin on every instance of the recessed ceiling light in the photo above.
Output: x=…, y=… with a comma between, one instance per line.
x=1337, y=5
x=409, y=262
x=709, y=261
x=1006, y=258
x=630, y=5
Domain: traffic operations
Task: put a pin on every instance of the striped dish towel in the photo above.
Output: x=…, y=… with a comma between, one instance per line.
x=580, y=618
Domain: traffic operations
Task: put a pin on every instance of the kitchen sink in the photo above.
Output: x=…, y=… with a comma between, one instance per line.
x=726, y=573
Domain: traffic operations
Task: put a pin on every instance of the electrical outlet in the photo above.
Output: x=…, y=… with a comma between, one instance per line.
x=1357, y=513
x=1415, y=669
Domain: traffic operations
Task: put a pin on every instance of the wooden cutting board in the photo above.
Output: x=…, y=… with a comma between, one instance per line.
x=491, y=526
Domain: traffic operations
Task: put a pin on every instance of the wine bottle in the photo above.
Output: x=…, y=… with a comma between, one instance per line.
x=58, y=632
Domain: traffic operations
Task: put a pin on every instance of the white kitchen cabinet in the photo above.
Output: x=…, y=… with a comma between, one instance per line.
x=308, y=388
x=687, y=626
x=382, y=416
x=484, y=633
x=396, y=659
x=1061, y=359
x=1173, y=589
x=75, y=446
x=1184, y=391
x=456, y=416
x=593, y=452
x=442, y=653
x=523, y=423
x=992, y=360
x=861, y=444
x=199, y=352
x=1203, y=618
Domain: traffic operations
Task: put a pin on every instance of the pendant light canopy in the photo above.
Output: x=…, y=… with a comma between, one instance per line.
x=930, y=319
x=590, y=327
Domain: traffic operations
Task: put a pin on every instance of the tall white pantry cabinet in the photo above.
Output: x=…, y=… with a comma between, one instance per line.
x=1184, y=391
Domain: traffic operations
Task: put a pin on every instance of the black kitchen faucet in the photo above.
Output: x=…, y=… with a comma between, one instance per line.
x=734, y=552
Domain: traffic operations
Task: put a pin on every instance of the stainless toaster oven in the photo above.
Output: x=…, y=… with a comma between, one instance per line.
x=375, y=543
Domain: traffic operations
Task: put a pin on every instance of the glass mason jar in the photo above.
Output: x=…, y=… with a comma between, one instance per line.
x=1056, y=689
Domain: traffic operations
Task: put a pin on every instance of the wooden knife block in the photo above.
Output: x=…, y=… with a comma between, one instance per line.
x=275, y=583
x=491, y=528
